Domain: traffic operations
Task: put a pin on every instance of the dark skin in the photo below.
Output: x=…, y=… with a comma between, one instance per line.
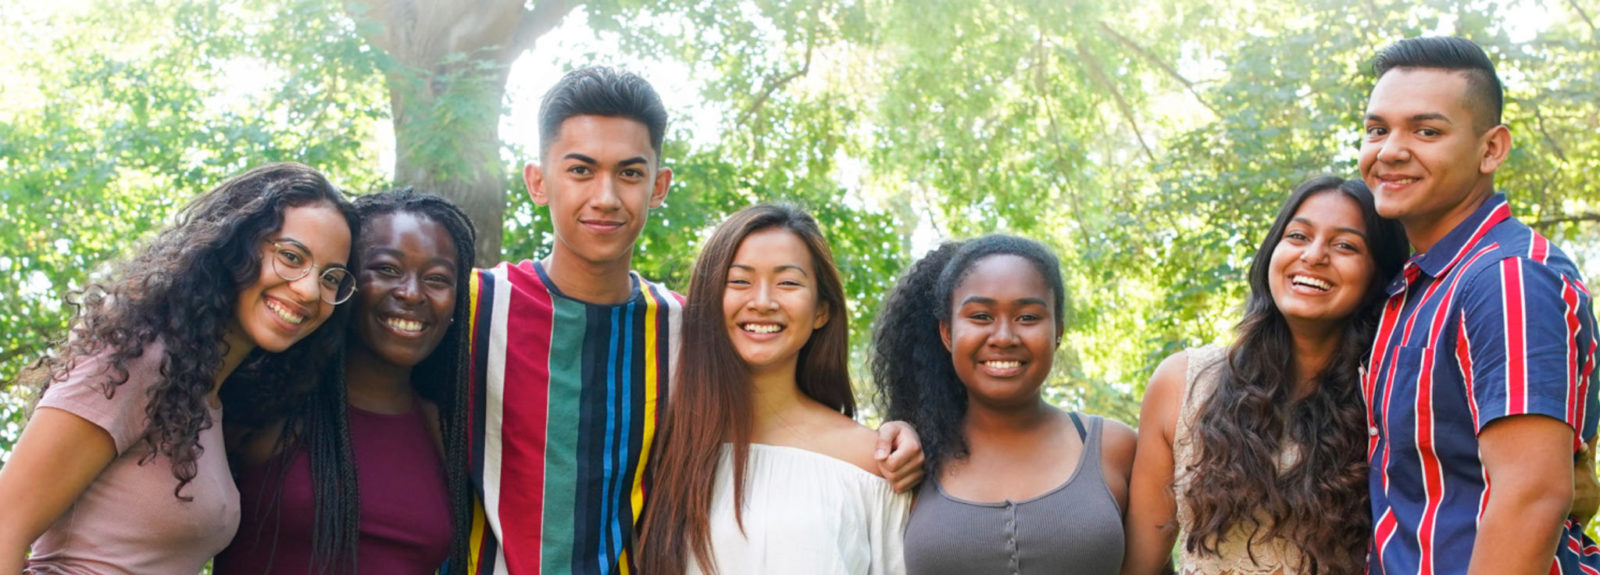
x=1002, y=336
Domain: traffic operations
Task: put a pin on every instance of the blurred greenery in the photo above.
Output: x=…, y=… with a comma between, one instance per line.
x=1148, y=141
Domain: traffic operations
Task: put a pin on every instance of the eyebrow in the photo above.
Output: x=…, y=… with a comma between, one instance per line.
x=991, y=301
x=1341, y=229
x=401, y=254
x=783, y=267
x=589, y=160
x=1424, y=117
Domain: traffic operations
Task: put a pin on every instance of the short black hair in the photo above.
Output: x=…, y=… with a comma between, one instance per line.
x=602, y=91
x=1485, y=94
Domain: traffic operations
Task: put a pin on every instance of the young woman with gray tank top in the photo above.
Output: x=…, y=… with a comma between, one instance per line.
x=1015, y=485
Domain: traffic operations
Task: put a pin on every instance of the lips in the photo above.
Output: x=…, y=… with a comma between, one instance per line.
x=1001, y=367
x=290, y=314
x=761, y=327
x=601, y=226
x=1395, y=182
x=1314, y=283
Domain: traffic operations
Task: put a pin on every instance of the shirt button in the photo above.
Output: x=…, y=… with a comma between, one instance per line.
x=1372, y=431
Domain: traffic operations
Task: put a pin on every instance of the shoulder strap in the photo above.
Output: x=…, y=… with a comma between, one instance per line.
x=1083, y=434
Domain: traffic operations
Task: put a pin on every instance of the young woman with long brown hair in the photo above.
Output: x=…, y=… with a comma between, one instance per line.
x=762, y=469
x=121, y=468
x=1257, y=451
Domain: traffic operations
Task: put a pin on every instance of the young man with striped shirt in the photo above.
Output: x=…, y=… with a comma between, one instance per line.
x=572, y=357
x=1478, y=389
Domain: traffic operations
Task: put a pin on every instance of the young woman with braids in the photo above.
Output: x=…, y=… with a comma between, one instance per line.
x=121, y=468
x=962, y=348
x=760, y=468
x=1257, y=452
x=357, y=478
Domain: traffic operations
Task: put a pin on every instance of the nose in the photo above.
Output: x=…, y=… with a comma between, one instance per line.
x=308, y=289
x=1314, y=252
x=408, y=289
x=1393, y=150
x=1005, y=334
x=607, y=199
x=762, y=299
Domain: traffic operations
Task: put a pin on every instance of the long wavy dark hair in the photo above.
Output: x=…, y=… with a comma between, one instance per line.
x=1320, y=503
x=714, y=406
x=180, y=290
x=320, y=425
x=914, y=372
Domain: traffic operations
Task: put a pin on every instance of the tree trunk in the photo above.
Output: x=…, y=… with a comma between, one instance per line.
x=447, y=69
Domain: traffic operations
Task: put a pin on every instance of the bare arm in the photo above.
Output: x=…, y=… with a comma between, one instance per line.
x=56, y=459
x=899, y=455
x=1529, y=462
x=1151, y=523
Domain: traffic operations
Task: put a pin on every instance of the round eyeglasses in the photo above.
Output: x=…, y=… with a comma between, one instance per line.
x=291, y=262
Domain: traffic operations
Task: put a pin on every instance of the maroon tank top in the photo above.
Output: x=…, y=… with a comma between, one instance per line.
x=405, y=514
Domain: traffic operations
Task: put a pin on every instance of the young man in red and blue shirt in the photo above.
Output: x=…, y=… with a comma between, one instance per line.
x=1479, y=387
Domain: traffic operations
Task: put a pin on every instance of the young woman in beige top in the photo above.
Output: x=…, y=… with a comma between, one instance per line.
x=121, y=468
x=1257, y=453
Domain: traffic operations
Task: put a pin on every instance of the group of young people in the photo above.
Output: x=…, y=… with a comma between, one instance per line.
x=286, y=382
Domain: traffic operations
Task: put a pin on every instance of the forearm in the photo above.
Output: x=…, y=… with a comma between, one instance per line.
x=1519, y=531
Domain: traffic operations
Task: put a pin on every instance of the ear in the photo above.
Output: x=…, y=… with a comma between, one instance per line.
x=822, y=317
x=944, y=335
x=659, y=193
x=533, y=177
x=1496, y=147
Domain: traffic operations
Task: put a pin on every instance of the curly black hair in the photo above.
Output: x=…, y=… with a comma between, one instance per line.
x=180, y=290
x=1321, y=503
x=912, y=368
x=318, y=422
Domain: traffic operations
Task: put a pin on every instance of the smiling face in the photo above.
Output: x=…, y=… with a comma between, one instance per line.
x=600, y=180
x=273, y=313
x=1427, y=163
x=1002, y=332
x=407, y=289
x=1322, y=266
x=771, y=301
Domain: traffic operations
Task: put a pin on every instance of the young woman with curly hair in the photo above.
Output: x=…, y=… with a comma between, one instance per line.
x=761, y=468
x=370, y=473
x=962, y=349
x=121, y=468
x=1257, y=452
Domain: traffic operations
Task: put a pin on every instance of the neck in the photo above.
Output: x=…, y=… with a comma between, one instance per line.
x=1009, y=420
x=239, y=347
x=373, y=384
x=1313, y=352
x=1424, y=232
x=601, y=283
x=773, y=394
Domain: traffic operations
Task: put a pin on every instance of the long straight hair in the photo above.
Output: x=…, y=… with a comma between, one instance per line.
x=1319, y=504
x=712, y=404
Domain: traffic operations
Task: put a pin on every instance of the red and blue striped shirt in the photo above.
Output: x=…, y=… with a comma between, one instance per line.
x=1492, y=322
x=567, y=397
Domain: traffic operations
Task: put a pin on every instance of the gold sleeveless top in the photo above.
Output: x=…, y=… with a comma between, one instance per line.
x=1237, y=553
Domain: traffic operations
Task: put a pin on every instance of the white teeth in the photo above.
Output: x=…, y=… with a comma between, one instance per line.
x=403, y=324
x=761, y=327
x=1313, y=282
x=1003, y=364
x=284, y=313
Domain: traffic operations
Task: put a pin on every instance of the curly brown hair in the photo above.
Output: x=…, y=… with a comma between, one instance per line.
x=180, y=290
x=1320, y=504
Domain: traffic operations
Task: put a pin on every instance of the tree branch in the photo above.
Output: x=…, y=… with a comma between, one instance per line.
x=1585, y=15
x=19, y=351
x=775, y=85
x=1100, y=77
x=1554, y=145
x=1140, y=50
x=1547, y=222
x=544, y=17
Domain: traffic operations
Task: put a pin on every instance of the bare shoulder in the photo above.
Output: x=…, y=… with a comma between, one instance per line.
x=843, y=438
x=1118, y=442
x=1163, y=396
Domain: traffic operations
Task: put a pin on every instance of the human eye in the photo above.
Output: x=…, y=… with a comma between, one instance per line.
x=1428, y=132
x=440, y=280
x=292, y=257
x=579, y=170
x=1376, y=131
x=1296, y=235
x=333, y=277
x=633, y=173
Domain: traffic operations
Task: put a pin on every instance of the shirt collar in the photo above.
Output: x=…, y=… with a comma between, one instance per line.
x=1454, y=246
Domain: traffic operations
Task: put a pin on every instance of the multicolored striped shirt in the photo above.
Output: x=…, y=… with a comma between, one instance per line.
x=567, y=397
x=1492, y=322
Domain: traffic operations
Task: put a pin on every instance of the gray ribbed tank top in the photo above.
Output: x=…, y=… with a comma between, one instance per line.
x=1075, y=528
